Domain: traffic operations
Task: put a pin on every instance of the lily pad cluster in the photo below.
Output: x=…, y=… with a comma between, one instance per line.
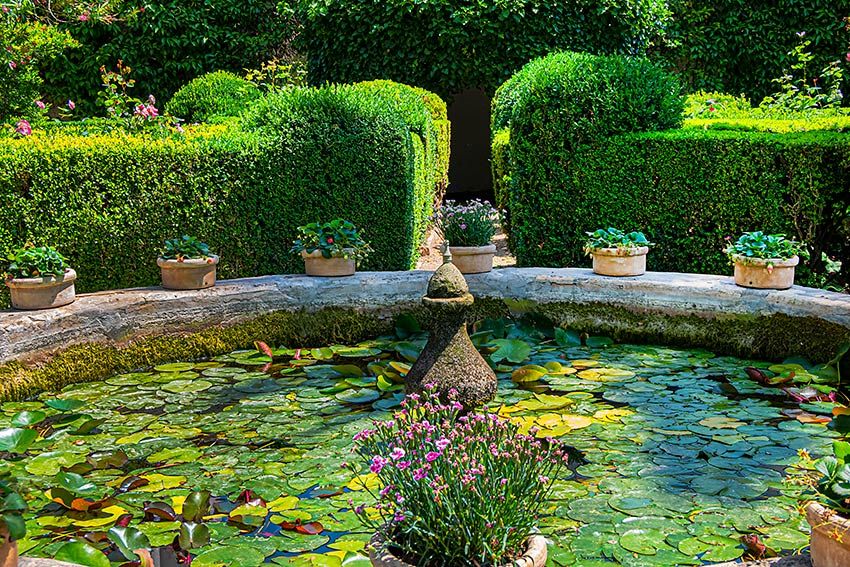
x=679, y=454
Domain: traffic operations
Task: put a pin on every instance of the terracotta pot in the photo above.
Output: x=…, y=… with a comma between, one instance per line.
x=188, y=274
x=8, y=550
x=473, y=259
x=43, y=293
x=830, y=545
x=534, y=556
x=620, y=262
x=764, y=274
x=317, y=265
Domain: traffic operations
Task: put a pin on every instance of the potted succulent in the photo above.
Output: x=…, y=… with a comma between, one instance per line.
x=765, y=261
x=616, y=253
x=829, y=513
x=186, y=263
x=12, y=526
x=40, y=278
x=330, y=249
x=455, y=488
x=469, y=229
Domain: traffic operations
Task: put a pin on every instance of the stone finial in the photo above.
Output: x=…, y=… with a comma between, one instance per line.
x=447, y=253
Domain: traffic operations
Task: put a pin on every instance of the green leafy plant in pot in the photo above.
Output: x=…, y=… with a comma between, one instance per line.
x=12, y=526
x=469, y=229
x=40, y=278
x=454, y=488
x=331, y=249
x=186, y=263
x=765, y=261
x=617, y=253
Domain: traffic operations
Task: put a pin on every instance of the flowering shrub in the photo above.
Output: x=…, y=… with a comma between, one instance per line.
x=120, y=104
x=766, y=246
x=456, y=489
x=472, y=224
x=336, y=239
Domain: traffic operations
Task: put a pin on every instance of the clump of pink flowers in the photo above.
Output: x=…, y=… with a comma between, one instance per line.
x=456, y=488
x=468, y=224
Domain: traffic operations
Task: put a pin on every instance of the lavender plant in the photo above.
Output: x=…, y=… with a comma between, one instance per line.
x=470, y=224
x=456, y=489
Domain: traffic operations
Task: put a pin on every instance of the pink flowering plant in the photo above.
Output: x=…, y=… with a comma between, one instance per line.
x=457, y=489
x=470, y=224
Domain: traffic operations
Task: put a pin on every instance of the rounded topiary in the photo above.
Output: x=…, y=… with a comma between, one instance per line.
x=214, y=95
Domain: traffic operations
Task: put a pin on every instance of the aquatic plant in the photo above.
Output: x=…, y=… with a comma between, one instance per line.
x=12, y=507
x=455, y=488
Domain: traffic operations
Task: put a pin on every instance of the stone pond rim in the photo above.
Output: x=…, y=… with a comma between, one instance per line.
x=117, y=331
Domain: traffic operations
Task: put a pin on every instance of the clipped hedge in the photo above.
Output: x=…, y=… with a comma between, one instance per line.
x=687, y=188
x=219, y=94
x=447, y=46
x=109, y=200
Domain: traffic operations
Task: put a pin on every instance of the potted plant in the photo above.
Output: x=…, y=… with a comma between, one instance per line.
x=829, y=513
x=616, y=253
x=455, y=489
x=469, y=229
x=12, y=526
x=40, y=278
x=186, y=263
x=330, y=249
x=765, y=261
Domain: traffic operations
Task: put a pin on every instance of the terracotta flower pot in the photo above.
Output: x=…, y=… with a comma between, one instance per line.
x=473, y=259
x=764, y=274
x=8, y=550
x=620, y=262
x=43, y=293
x=534, y=556
x=830, y=545
x=317, y=265
x=188, y=274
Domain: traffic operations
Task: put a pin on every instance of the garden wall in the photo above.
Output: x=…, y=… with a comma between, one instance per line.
x=108, y=201
x=564, y=164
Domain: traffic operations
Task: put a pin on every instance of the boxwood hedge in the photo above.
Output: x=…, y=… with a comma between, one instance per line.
x=687, y=188
x=109, y=200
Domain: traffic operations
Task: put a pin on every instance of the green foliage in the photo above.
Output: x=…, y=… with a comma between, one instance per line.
x=37, y=262
x=690, y=189
x=109, y=200
x=834, y=484
x=740, y=46
x=712, y=105
x=446, y=47
x=168, y=43
x=766, y=246
x=26, y=46
x=470, y=224
x=185, y=248
x=213, y=95
x=12, y=507
x=588, y=97
x=336, y=239
x=615, y=238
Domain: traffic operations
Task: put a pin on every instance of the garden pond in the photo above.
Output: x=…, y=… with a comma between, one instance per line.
x=678, y=453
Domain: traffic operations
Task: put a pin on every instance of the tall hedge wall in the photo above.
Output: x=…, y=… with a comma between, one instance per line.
x=740, y=46
x=688, y=189
x=446, y=46
x=108, y=201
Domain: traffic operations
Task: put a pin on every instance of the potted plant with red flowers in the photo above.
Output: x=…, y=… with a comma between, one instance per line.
x=12, y=526
x=330, y=249
x=765, y=261
x=455, y=489
x=617, y=253
x=187, y=263
x=40, y=278
x=469, y=229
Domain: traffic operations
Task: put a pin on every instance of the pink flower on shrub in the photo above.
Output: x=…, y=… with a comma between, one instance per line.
x=40, y=104
x=71, y=105
x=12, y=65
x=23, y=128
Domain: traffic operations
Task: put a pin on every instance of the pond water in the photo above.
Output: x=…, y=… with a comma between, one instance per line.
x=678, y=452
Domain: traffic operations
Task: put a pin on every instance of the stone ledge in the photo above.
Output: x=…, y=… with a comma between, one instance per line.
x=686, y=309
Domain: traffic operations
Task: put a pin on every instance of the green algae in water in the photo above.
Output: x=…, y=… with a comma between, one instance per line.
x=675, y=464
